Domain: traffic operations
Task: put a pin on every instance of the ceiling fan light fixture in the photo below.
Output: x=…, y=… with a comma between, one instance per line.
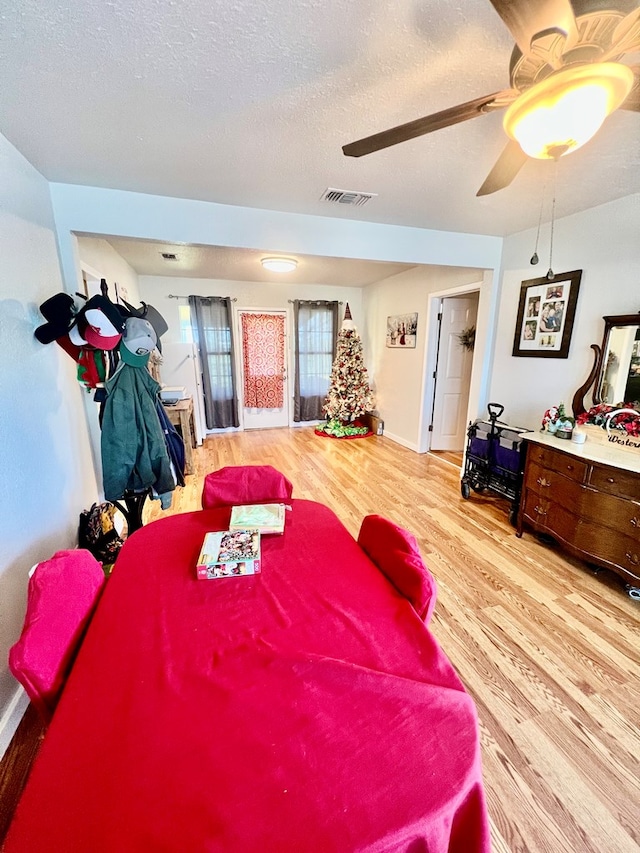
x=279, y=264
x=562, y=112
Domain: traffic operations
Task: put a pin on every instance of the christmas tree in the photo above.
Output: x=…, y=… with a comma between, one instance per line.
x=349, y=394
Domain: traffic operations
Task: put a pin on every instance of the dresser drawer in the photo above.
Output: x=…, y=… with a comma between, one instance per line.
x=615, y=481
x=555, y=460
x=553, y=486
x=549, y=516
x=610, y=511
x=608, y=545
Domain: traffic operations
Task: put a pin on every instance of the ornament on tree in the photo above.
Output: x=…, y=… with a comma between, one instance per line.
x=349, y=395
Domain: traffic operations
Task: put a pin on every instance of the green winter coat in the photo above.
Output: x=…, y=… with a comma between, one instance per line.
x=134, y=453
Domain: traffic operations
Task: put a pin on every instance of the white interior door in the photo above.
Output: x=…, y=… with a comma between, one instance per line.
x=264, y=382
x=453, y=374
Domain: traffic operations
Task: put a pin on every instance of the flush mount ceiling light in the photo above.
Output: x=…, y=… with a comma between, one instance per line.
x=279, y=264
x=562, y=112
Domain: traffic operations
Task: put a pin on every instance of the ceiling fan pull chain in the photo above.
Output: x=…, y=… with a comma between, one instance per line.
x=534, y=258
x=550, y=274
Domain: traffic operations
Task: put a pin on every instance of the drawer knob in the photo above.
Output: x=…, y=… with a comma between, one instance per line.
x=544, y=512
x=542, y=482
x=633, y=558
x=569, y=467
x=610, y=480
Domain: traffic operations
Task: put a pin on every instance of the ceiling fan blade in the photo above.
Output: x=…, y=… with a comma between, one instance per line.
x=626, y=36
x=506, y=168
x=526, y=20
x=427, y=124
x=633, y=99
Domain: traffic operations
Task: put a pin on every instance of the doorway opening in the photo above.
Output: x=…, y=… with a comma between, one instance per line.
x=454, y=361
x=474, y=385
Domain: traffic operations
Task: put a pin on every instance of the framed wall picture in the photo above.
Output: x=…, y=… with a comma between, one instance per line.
x=546, y=312
x=401, y=330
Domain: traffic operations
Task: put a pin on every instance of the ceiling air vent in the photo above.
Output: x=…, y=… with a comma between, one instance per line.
x=169, y=256
x=347, y=197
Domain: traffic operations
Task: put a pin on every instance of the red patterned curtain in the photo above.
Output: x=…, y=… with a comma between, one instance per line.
x=263, y=357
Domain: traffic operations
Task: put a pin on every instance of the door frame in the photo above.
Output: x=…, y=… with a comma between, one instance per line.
x=480, y=371
x=438, y=366
x=237, y=332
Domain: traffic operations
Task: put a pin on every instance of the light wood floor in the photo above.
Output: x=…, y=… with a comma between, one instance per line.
x=453, y=456
x=548, y=649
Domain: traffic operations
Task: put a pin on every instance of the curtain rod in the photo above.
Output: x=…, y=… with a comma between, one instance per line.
x=180, y=296
x=234, y=299
x=312, y=301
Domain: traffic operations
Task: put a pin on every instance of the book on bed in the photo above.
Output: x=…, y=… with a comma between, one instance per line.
x=229, y=553
x=267, y=518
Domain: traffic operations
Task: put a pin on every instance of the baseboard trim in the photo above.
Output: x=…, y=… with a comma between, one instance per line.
x=410, y=445
x=11, y=718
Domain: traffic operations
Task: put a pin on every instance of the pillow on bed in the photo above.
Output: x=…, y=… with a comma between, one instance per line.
x=62, y=594
x=395, y=552
x=245, y=484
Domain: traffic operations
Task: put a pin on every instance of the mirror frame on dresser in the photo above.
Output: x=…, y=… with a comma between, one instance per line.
x=596, y=375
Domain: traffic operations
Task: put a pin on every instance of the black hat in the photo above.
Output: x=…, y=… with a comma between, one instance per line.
x=59, y=311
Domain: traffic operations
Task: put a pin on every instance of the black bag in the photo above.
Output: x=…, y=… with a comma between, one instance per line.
x=97, y=532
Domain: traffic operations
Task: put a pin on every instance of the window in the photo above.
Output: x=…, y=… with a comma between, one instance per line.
x=186, y=332
x=211, y=325
x=316, y=328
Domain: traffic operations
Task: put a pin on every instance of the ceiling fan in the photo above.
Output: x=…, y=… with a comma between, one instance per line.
x=566, y=75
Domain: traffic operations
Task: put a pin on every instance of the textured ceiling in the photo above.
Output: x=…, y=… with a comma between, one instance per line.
x=145, y=257
x=249, y=102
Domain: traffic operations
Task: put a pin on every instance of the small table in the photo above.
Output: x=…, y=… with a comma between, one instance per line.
x=181, y=415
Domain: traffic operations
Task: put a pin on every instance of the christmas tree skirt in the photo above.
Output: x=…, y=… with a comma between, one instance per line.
x=335, y=429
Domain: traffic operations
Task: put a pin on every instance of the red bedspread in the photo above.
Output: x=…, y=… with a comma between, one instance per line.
x=307, y=708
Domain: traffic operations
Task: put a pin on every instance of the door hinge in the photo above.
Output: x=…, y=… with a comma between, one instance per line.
x=430, y=427
x=435, y=373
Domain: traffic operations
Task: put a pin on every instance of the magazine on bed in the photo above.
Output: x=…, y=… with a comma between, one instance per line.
x=267, y=518
x=229, y=553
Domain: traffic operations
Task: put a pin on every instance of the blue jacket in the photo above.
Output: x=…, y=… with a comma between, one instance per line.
x=134, y=453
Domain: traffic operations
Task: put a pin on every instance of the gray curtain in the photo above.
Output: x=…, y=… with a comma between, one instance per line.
x=316, y=334
x=213, y=334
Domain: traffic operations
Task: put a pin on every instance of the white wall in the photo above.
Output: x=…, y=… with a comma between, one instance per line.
x=249, y=294
x=46, y=475
x=399, y=374
x=100, y=256
x=92, y=210
x=604, y=242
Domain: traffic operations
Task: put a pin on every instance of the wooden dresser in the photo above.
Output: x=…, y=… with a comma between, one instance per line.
x=587, y=497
